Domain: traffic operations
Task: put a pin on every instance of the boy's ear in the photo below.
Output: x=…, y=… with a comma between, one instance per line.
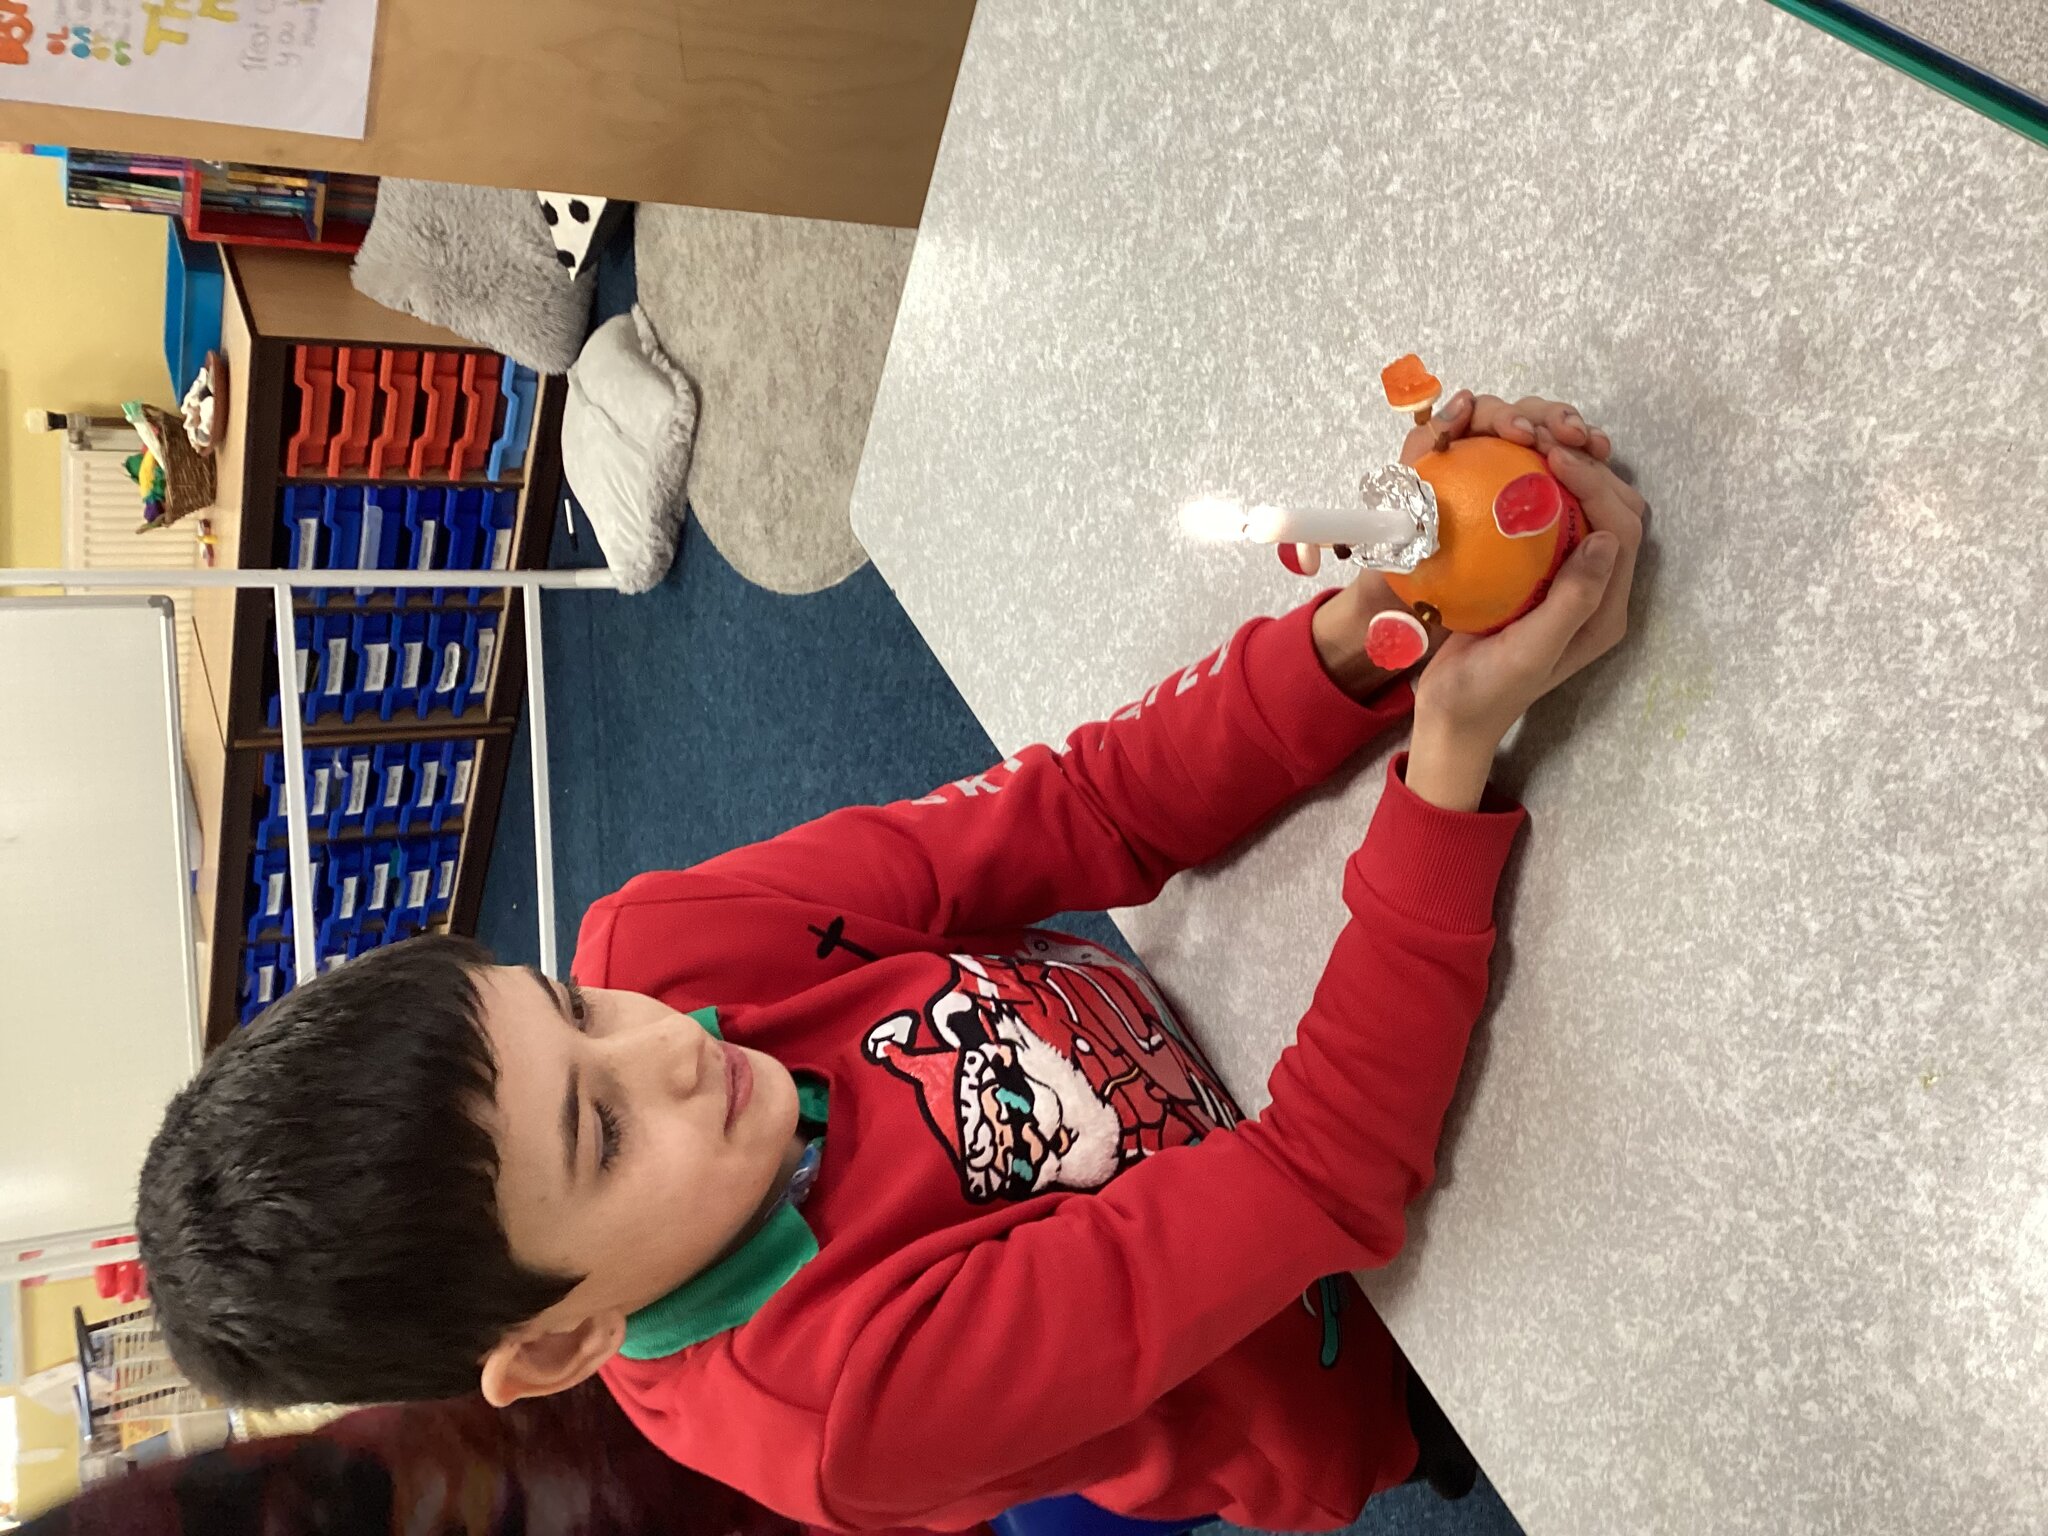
x=537, y=1362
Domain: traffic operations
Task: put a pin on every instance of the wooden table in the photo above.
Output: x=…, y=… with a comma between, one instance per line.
x=2003, y=39
x=1743, y=1225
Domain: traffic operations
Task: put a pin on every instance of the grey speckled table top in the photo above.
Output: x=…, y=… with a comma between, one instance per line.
x=2006, y=38
x=1744, y=1217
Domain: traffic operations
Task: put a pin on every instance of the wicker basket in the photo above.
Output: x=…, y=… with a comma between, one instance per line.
x=190, y=479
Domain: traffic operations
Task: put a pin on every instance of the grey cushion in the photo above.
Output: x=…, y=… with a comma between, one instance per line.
x=627, y=434
x=478, y=261
x=784, y=325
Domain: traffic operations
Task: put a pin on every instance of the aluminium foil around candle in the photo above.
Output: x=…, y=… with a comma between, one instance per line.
x=1400, y=489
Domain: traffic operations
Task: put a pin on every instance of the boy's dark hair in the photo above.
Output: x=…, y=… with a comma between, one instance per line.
x=570, y=1464
x=318, y=1213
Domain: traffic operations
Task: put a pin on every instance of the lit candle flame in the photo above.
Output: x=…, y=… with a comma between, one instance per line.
x=1215, y=520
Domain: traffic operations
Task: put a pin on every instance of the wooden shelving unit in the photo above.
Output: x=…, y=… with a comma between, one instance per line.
x=277, y=302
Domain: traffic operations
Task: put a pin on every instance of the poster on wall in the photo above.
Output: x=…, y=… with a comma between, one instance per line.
x=301, y=66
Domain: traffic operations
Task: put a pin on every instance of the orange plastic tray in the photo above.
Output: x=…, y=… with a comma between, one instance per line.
x=355, y=371
x=313, y=370
x=398, y=378
x=441, y=383
x=480, y=377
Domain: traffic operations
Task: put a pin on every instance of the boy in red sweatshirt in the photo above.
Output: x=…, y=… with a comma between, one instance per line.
x=867, y=1197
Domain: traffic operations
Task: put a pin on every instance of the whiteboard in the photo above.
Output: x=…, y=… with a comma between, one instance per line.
x=99, y=983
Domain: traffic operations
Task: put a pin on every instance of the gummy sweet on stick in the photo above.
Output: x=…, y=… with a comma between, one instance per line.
x=1411, y=388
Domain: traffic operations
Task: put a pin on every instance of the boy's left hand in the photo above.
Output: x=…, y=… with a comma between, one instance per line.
x=1533, y=422
x=1544, y=425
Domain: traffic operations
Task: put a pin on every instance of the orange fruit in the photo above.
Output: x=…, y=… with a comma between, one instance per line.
x=1504, y=526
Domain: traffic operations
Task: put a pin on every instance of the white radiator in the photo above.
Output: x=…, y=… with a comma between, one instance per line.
x=103, y=510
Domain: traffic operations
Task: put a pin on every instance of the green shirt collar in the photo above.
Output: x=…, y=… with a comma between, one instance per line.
x=733, y=1290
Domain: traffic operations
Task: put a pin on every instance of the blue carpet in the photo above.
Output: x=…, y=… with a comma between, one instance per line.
x=709, y=713
x=1418, y=1512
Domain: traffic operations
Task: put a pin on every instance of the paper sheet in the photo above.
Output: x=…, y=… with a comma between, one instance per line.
x=296, y=65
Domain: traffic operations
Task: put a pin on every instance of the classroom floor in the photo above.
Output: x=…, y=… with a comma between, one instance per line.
x=710, y=713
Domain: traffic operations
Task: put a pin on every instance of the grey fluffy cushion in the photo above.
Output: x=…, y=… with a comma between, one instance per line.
x=478, y=261
x=784, y=325
x=627, y=434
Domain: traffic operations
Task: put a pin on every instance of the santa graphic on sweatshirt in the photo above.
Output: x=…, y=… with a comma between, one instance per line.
x=1054, y=1071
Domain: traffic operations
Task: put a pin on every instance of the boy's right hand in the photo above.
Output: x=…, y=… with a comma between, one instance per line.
x=1475, y=688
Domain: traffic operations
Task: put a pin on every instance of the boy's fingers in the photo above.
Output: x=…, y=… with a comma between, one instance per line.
x=1533, y=422
x=1610, y=502
x=1562, y=421
x=1496, y=418
x=1608, y=626
x=1450, y=423
x=1546, y=633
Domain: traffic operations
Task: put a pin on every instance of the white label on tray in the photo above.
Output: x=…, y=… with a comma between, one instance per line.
x=451, y=667
x=447, y=887
x=376, y=668
x=266, y=983
x=321, y=776
x=416, y=886
x=430, y=785
x=309, y=543
x=486, y=653
x=415, y=655
x=459, y=795
x=273, y=895
x=333, y=962
x=337, y=663
x=373, y=535
x=501, y=550
x=358, y=786
x=430, y=535
x=394, y=787
x=351, y=889
x=308, y=659
x=380, y=886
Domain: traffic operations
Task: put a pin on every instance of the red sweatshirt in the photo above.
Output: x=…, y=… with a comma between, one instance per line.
x=1047, y=1259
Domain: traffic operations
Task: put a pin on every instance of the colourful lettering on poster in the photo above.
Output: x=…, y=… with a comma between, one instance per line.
x=216, y=60
x=16, y=32
x=163, y=13
x=90, y=43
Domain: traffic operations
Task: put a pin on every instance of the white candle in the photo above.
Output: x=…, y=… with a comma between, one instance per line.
x=1391, y=526
x=1358, y=525
x=1227, y=518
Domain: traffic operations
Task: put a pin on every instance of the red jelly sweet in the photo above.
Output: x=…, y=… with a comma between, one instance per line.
x=1528, y=506
x=1395, y=640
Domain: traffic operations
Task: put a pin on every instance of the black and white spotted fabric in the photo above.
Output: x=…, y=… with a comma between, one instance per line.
x=578, y=226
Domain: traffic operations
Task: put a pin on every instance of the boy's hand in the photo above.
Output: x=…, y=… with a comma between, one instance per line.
x=1475, y=688
x=1533, y=422
x=1544, y=425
